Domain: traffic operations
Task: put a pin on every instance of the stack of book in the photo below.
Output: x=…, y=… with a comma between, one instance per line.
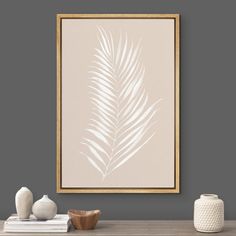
x=59, y=224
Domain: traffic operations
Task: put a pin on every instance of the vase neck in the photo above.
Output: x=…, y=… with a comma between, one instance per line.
x=209, y=196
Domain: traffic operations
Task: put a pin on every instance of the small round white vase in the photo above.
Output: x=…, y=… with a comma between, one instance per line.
x=44, y=208
x=24, y=202
x=209, y=214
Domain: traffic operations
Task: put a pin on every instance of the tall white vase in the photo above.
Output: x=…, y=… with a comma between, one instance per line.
x=209, y=213
x=24, y=202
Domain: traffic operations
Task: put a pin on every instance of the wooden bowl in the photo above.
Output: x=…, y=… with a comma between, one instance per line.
x=84, y=220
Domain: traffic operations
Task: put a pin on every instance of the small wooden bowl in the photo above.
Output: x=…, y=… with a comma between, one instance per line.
x=84, y=220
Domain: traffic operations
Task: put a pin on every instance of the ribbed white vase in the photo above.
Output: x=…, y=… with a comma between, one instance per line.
x=209, y=213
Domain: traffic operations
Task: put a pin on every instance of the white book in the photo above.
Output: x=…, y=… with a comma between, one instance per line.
x=60, y=223
x=35, y=230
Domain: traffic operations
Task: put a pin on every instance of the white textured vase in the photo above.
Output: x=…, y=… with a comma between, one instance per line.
x=44, y=208
x=24, y=202
x=209, y=213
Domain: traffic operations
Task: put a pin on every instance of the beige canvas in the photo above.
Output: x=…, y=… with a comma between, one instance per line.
x=118, y=103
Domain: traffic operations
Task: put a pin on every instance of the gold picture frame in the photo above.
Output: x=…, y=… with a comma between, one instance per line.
x=176, y=187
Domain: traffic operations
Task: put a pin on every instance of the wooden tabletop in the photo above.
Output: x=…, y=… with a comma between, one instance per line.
x=138, y=228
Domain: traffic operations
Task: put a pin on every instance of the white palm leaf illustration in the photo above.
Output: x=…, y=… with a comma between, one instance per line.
x=121, y=121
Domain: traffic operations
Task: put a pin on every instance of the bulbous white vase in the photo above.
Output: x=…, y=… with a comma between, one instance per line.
x=44, y=208
x=24, y=202
x=209, y=213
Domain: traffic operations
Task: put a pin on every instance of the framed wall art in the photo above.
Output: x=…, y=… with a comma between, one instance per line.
x=118, y=103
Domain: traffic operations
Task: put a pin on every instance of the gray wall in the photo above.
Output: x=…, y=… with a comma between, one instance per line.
x=28, y=102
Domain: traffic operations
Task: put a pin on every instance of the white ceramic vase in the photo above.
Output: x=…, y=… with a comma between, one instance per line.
x=24, y=202
x=44, y=208
x=209, y=213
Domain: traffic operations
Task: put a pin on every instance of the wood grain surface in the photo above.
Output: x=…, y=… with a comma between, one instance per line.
x=139, y=228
